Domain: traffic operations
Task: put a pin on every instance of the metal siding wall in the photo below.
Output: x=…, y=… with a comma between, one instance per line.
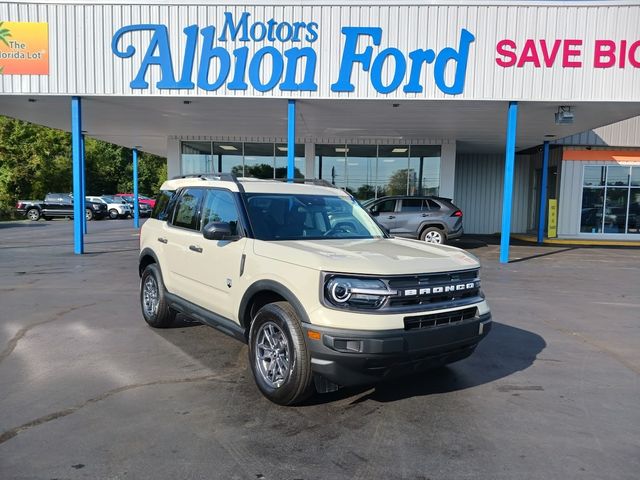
x=81, y=61
x=620, y=134
x=478, y=192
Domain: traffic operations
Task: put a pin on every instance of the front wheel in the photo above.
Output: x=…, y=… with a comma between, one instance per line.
x=33, y=214
x=88, y=214
x=433, y=235
x=113, y=214
x=278, y=355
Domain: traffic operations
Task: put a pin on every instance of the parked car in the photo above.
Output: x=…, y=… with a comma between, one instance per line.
x=29, y=208
x=141, y=199
x=116, y=206
x=144, y=209
x=323, y=297
x=432, y=219
x=57, y=205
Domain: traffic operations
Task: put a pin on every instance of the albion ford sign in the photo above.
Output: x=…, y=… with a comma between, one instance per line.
x=294, y=69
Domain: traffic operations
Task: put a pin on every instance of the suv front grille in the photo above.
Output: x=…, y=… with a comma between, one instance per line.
x=430, y=289
x=438, y=319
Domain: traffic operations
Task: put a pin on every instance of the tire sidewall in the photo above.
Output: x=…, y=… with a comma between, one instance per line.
x=163, y=317
x=287, y=393
x=113, y=214
x=88, y=213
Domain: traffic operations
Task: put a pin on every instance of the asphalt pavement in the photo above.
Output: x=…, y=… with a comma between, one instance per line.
x=89, y=391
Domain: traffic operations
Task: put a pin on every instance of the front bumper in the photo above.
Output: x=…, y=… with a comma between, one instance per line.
x=357, y=357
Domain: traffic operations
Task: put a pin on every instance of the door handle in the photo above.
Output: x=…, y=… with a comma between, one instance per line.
x=162, y=240
x=195, y=248
x=425, y=214
x=391, y=217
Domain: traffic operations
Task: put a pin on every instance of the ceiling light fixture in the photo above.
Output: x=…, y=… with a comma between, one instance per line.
x=228, y=147
x=187, y=102
x=399, y=150
x=342, y=149
x=32, y=100
x=549, y=135
x=395, y=105
x=282, y=149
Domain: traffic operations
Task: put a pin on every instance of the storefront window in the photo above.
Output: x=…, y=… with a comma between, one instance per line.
x=610, y=203
x=281, y=161
x=370, y=171
x=259, y=160
x=229, y=156
x=196, y=158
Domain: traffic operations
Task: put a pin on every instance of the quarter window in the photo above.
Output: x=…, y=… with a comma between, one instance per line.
x=187, y=209
x=412, y=205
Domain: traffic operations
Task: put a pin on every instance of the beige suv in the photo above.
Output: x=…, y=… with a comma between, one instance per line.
x=304, y=275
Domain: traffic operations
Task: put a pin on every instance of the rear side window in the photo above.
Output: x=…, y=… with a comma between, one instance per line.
x=412, y=205
x=385, y=206
x=161, y=209
x=188, y=209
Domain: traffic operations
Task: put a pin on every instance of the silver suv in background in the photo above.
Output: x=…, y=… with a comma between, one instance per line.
x=432, y=219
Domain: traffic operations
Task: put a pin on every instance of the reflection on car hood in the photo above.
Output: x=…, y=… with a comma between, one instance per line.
x=379, y=256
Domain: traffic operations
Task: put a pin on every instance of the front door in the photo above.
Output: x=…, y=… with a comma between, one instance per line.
x=219, y=264
x=385, y=213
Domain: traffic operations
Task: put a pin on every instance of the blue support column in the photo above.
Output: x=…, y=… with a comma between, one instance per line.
x=291, y=140
x=78, y=194
x=83, y=172
x=507, y=196
x=543, y=192
x=136, y=209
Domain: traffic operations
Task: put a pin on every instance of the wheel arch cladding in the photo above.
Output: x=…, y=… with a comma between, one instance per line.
x=264, y=292
x=147, y=257
x=426, y=225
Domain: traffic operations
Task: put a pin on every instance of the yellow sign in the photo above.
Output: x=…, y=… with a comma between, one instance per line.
x=553, y=218
x=24, y=48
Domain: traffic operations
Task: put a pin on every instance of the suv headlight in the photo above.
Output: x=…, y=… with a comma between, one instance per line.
x=356, y=293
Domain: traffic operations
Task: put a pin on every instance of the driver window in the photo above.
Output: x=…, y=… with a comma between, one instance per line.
x=220, y=206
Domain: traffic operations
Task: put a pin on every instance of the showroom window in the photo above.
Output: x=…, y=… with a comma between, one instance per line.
x=259, y=160
x=373, y=171
x=610, y=199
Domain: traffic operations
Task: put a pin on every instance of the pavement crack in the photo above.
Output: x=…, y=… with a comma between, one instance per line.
x=11, y=345
x=9, y=434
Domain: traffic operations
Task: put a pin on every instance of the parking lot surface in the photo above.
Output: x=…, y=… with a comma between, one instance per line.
x=88, y=390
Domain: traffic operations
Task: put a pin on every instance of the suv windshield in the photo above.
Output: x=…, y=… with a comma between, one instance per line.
x=309, y=217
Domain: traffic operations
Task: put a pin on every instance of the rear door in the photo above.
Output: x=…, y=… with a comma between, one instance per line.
x=180, y=235
x=413, y=212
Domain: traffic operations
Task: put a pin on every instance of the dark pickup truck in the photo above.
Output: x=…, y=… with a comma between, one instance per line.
x=58, y=205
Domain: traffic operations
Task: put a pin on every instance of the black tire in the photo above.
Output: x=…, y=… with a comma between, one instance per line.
x=160, y=315
x=433, y=235
x=33, y=214
x=88, y=213
x=297, y=384
x=113, y=214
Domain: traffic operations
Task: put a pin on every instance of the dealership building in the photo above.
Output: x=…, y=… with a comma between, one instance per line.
x=526, y=114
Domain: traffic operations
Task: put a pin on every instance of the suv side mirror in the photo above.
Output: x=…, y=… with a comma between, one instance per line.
x=218, y=231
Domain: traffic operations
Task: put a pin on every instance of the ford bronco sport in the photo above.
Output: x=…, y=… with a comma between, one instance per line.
x=323, y=296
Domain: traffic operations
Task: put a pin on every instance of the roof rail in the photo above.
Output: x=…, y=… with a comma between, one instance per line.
x=309, y=181
x=229, y=177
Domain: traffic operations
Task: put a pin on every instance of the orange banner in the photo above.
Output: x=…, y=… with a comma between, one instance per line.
x=620, y=156
x=24, y=48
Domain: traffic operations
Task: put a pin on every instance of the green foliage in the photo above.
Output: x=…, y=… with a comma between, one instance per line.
x=35, y=160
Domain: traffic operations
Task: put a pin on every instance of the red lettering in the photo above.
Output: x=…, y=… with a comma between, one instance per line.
x=632, y=54
x=550, y=58
x=568, y=52
x=529, y=54
x=604, y=55
x=623, y=52
x=510, y=56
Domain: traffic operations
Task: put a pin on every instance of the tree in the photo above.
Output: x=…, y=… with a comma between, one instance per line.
x=35, y=160
x=398, y=181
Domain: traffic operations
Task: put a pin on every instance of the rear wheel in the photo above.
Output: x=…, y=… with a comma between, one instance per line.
x=155, y=308
x=33, y=214
x=88, y=214
x=113, y=214
x=433, y=235
x=278, y=355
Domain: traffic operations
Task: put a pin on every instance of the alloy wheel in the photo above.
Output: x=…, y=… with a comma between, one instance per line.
x=433, y=237
x=272, y=355
x=151, y=297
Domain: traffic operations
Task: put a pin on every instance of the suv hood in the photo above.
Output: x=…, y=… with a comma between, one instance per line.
x=378, y=256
